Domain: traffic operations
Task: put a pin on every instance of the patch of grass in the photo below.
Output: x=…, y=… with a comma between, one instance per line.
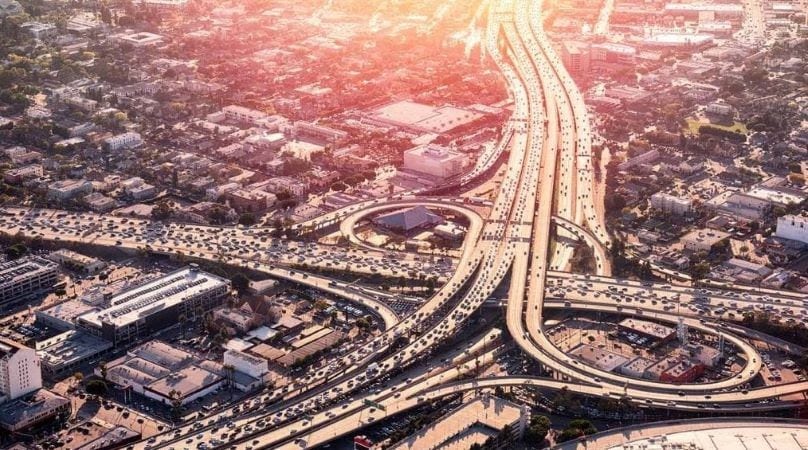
x=694, y=124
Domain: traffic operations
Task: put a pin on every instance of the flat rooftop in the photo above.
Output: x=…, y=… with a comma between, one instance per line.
x=421, y=117
x=649, y=328
x=187, y=381
x=598, y=357
x=13, y=271
x=752, y=436
x=155, y=295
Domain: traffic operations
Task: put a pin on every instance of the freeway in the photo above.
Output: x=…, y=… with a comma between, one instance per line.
x=547, y=179
x=211, y=242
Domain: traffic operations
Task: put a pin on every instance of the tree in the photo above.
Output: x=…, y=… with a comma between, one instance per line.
x=161, y=211
x=247, y=219
x=102, y=368
x=16, y=251
x=240, y=282
x=96, y=387
x=577, y=428
x=176, y=403
x=537, y=430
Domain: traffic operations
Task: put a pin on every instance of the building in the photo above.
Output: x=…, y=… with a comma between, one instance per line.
x=793, y=227
x=671, y=204
x=636, y=367
x=598, y=357
x=10, y=8
x=720, y=109
x=612, y=53
x=20, y=174
x=651, y=331
x=141, y=39
x=164, y=373
x=78, y=262
x=20, y=372
x=434, y=160
x=24, y=277
x=409, y=219
x=142, y=310
x=245, y=363
x=66, y=351
x=124, y=140
x=575, y=56
x=683, y=371
x=319, y=133
x=643, y=158
x=99, y=202
x=475, y=422
x=32, y=410
x=420, y=118
x=68, y=189
x=703, y=240
x=235, y=113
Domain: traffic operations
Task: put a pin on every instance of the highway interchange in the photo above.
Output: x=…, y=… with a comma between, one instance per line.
x=544, y=206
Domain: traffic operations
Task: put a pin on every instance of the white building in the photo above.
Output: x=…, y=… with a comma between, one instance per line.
x=793, y=227
x=670, y=204
x=237, y=113
x=20, y=373
x=67, y=189
x=244, y=363
x=434, y=160
x=124, y=140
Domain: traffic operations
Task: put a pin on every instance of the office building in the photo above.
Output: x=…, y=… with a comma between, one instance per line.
x=33, y=409
x=24, y=277
x=76, y=261
x=575, y=56
x=434, y=160
x=20, y=373
x=671, y=204
x=123, y=140
x=67, y=189
x=156, y=304
x=703, y=240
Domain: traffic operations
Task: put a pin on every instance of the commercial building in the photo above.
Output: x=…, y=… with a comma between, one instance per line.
x=793, y=227
x=475, y=422
x=33, y=409
x=420, y=118
x=601, y=358
x=20, y=373
x=318, y=132
x=652, y=331
x=156, y=304
x=67, y=189
x=245, y=363
x=24, y=277
x=683, y=371
x=78, y=262
x=159, y=371
x=408, y=219
x=612, y=53
x=235, y=113
x=67, y=351
x=703, y=240
x=434, y=160
x=141, y=39
x=20, y=174
x=575, y=56
x=124, y=140
x=636, y=367
x=671, y=204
